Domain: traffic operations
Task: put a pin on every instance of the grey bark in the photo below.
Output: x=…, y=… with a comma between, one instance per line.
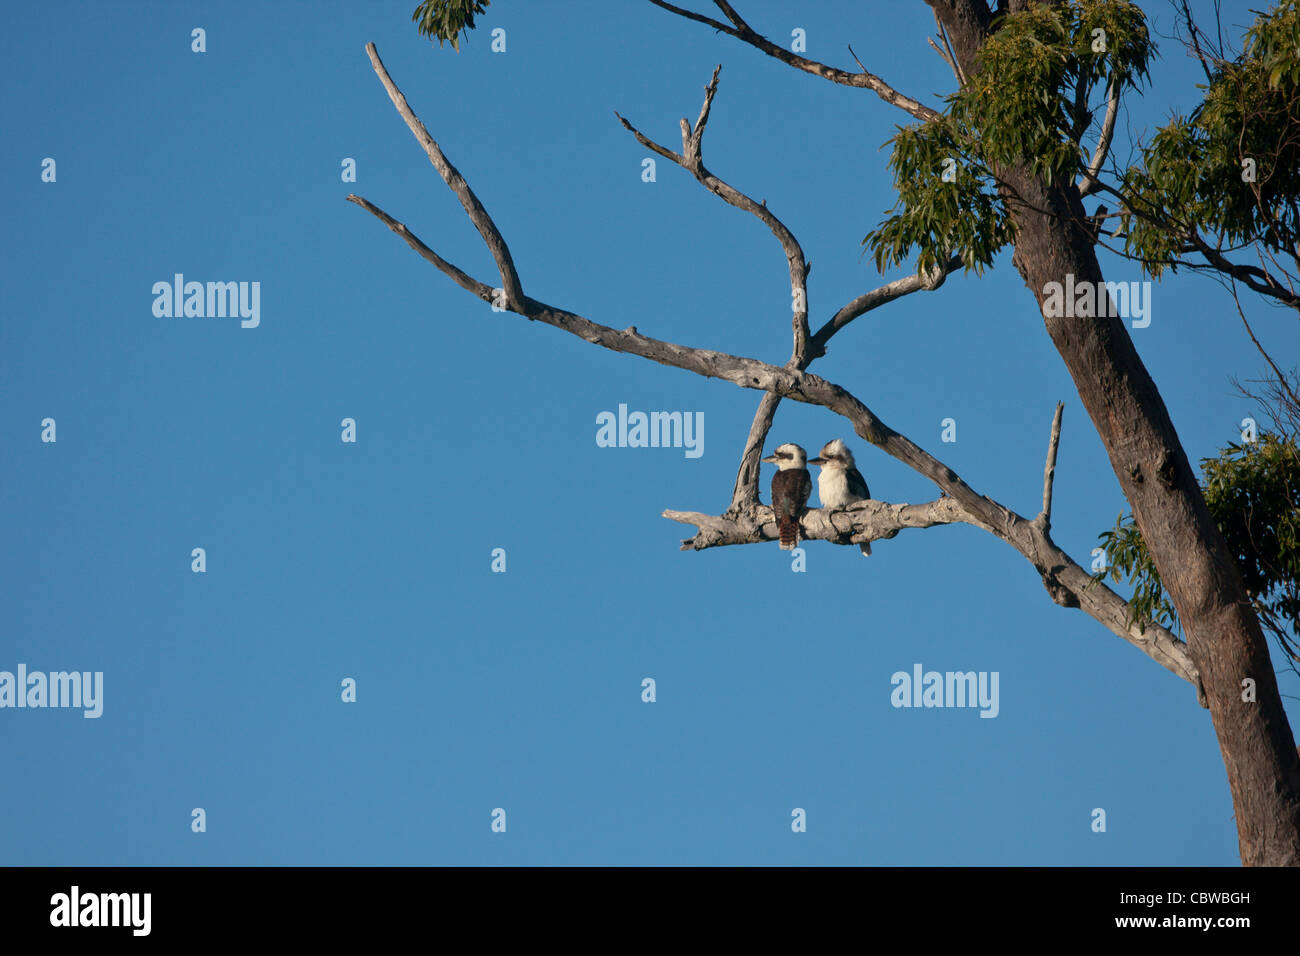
x=1224, y=636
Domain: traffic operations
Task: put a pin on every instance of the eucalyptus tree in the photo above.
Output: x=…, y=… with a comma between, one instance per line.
x=1023, y=139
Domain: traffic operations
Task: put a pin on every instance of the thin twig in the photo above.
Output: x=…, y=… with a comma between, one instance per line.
x=864, y=80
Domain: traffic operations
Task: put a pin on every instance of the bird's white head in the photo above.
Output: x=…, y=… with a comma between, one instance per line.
x=788, y=455
x=834, y=454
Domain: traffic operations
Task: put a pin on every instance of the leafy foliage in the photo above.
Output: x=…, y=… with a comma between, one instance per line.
x=1126, y=553
x=447, y=19
x=1029, y=98
x=1027, y=103
x=964, y=215
x=1253, y=493
x=1192, y=173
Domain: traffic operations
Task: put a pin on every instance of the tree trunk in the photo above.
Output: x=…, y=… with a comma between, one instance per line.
x=1223, y=634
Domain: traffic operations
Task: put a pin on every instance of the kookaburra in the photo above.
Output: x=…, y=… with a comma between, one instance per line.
x=839, y=483
x=791, y=487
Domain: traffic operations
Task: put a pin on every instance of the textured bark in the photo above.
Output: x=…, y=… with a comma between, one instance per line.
x=1223, y=634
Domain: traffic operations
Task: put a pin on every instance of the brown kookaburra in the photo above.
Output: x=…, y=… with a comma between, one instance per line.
x=839, y=483
x=791, y=486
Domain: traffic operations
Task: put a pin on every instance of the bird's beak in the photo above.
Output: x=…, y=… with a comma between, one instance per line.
x=770, y=459
x=817, y=461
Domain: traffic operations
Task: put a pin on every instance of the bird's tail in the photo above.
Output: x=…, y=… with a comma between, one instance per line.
x=866, y=550
x=788, y=529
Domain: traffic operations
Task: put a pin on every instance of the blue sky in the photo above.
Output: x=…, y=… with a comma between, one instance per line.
x=372, y=560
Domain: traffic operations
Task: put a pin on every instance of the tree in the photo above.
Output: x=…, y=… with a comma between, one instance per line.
x=1253, y=492
x=1226, y=178
x=1022, y=174
x=1222, y=179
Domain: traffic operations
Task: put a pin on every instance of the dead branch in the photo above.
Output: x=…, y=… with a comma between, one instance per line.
x=451, y=176
x=1044, y=519
x=860, y=523
x=805, y=349
x=1090, y=183
x=741, y=30
x=1067, y=583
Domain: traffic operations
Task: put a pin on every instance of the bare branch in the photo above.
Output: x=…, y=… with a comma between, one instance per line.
x=650, y=144
x=864, y=80
x=805, y=348
x=692, y=161
x=952, y=64
x=473, y=208
x=1067, y=583
x=1190, y=23
x=1089, y=183
x=1112, y=611
x=947, y=53
x=1044, y=519
x=878, y=297
x=692, y=147
x=745, y=493
x=967, y=23
x=861, y=523
x=697, y=17
x=466, y=282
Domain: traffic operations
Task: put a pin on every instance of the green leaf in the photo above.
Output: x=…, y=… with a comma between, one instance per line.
x=446, y=20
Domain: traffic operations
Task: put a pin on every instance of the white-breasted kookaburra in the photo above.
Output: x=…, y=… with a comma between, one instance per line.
x=791, y=486
x=839, y=483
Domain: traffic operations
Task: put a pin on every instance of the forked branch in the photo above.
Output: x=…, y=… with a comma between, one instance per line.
x=805, y=348
x=1067, y=583
x=451, y=176
x=692, y=160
